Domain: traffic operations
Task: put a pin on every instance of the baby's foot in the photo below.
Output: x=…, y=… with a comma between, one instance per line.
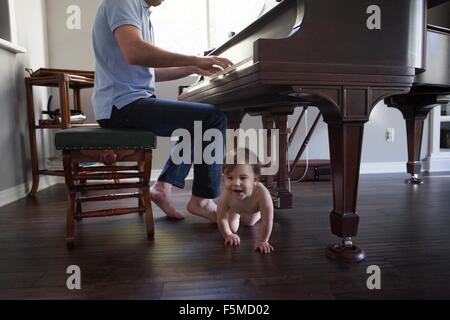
x=205, y=208
x=249, y=220
x=160, y=193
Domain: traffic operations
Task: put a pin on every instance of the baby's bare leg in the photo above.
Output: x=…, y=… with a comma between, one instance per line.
x=233, y=221
x=250, y=220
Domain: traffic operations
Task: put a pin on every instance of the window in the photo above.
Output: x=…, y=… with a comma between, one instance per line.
x=7, y=27
x=194, y=26
x=231, y=16
x=180, y=26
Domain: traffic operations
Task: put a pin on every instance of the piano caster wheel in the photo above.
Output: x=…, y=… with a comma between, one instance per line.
x=414, y=180
x=345, y=251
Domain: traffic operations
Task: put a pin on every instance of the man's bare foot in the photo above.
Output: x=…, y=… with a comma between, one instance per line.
x=205, y=208
x=161, y=192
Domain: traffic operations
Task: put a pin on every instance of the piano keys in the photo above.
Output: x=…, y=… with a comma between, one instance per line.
x=321, y=53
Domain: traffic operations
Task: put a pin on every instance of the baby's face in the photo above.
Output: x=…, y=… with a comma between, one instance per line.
x=240, y=181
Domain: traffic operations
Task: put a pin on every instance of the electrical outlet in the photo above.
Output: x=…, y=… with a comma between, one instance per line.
x=390, y=135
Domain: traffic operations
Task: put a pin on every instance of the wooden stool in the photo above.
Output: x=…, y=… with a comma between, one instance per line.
x=82, y=146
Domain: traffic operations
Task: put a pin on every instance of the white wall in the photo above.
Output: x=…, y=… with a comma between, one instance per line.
x=15, y=170
x=72, y=49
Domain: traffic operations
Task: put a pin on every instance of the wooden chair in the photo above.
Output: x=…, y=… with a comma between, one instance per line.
x=107, y=147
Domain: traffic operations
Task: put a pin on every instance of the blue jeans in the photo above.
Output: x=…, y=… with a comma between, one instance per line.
x=162, y=117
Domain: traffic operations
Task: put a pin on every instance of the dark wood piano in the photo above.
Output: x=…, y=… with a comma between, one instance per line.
x=321, y=53
x=430, y=88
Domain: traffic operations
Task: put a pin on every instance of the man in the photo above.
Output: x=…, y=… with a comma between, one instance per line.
x=127, y=66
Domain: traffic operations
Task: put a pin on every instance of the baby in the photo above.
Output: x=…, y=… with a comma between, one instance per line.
x=244, y=199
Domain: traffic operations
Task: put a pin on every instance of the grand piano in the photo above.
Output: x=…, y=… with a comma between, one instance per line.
x=430, y=88
x=342, y=57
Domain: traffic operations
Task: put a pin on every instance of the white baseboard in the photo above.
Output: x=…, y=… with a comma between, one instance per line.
x=366, y=168
x=18, y=192
x=434, y=164
x=382, y=167
x=21, y=191
x=437, y=163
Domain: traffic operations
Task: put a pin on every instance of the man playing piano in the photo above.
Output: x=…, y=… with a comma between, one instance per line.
x=127, y=66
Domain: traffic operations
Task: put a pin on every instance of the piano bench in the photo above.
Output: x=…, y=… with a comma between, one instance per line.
x=97, y=161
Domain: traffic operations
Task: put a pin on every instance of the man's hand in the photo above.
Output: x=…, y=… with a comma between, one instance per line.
x=263, y=247
x=209, y=65
x=232, y=240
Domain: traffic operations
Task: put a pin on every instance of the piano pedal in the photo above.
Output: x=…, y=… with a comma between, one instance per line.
x=345, y=251
x=414, y=180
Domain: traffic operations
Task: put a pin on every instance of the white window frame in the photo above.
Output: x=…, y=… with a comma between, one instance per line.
x=12, y=45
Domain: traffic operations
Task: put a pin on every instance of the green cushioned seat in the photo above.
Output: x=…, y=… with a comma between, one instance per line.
x=98, y=138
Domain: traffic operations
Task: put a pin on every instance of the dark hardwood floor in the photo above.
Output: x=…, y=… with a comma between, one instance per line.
x=405, y=230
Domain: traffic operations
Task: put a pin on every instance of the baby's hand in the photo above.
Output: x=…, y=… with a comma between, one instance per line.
x=232, y=240
x=264, y=247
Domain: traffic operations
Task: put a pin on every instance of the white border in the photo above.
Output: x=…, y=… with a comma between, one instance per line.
x=383, y=167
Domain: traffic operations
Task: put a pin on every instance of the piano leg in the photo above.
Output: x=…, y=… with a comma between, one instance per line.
x=283, y=196
x=346, y=110
x=268, y=122
x=234, y=119
x=414, y=131
x=414, y=109
x=345, y=152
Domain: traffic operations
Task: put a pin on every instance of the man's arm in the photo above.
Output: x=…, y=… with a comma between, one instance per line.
x=138, y=52
x=174, y=73
x=168, y=74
